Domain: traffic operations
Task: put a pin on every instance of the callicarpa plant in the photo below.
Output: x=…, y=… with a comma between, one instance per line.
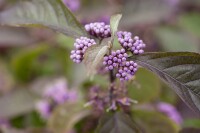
x=117, y=55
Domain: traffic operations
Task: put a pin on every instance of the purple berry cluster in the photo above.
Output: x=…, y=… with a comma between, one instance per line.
x=98, y=29
x=118, y=60
x=81, y=44
x=127, y=70
x=115, y=60
x=55, y=94
x=58, y=91
x=134, y=45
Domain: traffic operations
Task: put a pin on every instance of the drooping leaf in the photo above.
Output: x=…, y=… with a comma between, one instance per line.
x=93, y=57
x=180, y=70
x=66, y=116
x=114, y=22
x=174, y=40
x=17, y=103
x=117, y=123
x=47, y=13
x=146, y=87
x=154, y=122
x=190, y=130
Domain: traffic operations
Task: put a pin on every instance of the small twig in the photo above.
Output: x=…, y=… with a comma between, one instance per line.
x=112, y=76
x=112, y=79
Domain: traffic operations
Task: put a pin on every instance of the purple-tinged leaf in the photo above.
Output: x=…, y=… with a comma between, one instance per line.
x=46, y=13
x=180, y=70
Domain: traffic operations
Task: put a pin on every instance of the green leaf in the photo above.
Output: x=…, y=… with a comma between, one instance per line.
x=190, y=130
x=66, y=116
x=46, y=13
x=146, y=87
x=116, y=123
x=195, y=123
x=180, y=70
x=190, y=22
x=23, y=62
x=176, y=40
x=64, y=41
x=114, y=22
x=93, y=57
x=168, y=95
x=34, y=119
x=17, y=103
x=154, y=122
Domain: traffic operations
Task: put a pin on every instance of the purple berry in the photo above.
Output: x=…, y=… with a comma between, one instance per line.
x=98, y=29
x=115, y=59
x=127, y=71
x=124, y=38
x=81, y=44
x=134, y=45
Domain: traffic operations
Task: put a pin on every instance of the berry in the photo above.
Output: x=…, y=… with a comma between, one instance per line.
x=98, y=29
x=54, y=94
x=59, y=92
x=124, y=39
x=44, y=108
x=134, y=45
x=115, y=59
x=127, y=70
x=138, y=46
x=81, y=44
